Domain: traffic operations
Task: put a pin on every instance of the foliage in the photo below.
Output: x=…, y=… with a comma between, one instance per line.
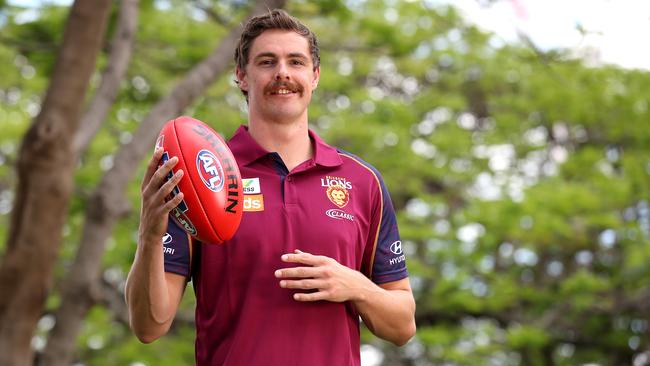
x=522, y=181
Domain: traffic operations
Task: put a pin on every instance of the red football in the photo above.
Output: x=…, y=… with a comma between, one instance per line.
x=211, y=209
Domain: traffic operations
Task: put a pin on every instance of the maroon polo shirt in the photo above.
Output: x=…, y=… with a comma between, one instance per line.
x=334, y=205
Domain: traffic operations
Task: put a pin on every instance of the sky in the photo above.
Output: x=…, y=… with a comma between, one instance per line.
x=613, y=30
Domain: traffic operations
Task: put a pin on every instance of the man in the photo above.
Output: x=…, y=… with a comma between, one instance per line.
x=307, y=260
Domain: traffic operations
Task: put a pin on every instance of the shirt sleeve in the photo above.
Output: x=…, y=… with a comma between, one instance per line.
x=177, y=249
x=387, y=262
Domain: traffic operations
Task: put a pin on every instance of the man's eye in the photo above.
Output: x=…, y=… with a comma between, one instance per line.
x=266, y=62
x=298, y=62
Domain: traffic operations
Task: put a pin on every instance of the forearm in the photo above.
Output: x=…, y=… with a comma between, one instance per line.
x=147, y=294
x=388, y=313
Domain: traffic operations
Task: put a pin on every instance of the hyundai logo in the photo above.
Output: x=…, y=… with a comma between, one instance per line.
x=396, y=247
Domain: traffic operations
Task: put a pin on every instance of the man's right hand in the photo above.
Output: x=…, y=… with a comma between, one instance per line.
x=154, y=209
x=153, y=295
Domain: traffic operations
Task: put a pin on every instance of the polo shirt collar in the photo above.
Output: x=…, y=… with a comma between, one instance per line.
x=247, y=150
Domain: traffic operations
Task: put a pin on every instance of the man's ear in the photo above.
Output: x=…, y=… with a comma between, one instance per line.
x=241, y=77
x=314, y=82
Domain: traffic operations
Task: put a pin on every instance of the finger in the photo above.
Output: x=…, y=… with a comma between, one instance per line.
x=167, y=188
x=152, y=166
x=314, y=296
x=297, y=272
x=302, y=284
x=161, y=174
x=169, y=205
x=304, y=258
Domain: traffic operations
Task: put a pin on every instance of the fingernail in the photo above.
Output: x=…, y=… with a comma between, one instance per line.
x=278, y=273
x=283, y=283
x=179, y=173
x=285, y=257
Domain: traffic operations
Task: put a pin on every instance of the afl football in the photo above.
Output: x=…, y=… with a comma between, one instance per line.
x=211, y=209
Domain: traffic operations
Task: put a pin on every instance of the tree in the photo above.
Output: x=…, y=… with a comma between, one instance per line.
x=108, y=204
x=26, y=269
x=78, y=290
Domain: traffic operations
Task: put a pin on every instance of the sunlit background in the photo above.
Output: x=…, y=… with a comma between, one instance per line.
x=513, y=136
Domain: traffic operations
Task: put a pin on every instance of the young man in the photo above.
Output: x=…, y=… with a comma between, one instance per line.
x=318, y=244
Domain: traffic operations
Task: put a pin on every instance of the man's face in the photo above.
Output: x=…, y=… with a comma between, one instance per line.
x=279, y=77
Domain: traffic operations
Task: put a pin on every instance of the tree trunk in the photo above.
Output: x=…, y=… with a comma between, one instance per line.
x=108, y=201
x=45, y=171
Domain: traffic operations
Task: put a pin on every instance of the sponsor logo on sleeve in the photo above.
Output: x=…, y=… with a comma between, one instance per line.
x=251, y=185
x=396, y=248
x=210, y=170
x=167, y=239
x=253, y=202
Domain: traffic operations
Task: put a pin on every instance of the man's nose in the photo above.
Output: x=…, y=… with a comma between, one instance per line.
x=282, y=72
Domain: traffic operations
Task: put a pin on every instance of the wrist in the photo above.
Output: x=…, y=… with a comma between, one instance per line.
x=147, y=240
x=364, y=291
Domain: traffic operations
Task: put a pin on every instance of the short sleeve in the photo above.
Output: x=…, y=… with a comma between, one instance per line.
x=388, y=261
x=177, y=249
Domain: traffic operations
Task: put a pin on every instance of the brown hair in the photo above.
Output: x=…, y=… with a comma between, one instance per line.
x=274, y=19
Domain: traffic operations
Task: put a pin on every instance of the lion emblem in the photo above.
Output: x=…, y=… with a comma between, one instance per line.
x=338, y=195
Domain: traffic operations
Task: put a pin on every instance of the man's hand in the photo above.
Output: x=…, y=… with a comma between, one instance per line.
x=388, y=310
x=154, y=211
x=331, y=280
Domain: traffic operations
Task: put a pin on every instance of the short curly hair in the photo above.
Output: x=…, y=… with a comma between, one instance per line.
x=274, y=19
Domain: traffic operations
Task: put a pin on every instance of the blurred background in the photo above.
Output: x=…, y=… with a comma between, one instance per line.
x=513, y=135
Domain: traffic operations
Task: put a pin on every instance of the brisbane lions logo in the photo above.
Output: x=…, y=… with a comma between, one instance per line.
x=338, y=195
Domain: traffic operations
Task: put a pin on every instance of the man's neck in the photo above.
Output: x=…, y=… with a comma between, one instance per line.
x=291, y=141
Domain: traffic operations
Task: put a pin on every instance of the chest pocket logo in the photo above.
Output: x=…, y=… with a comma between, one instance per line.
x=338, y=195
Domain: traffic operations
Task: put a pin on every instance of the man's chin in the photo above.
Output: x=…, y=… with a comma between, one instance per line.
x=285, y=113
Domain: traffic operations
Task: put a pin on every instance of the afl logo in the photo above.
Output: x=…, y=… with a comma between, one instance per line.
x=210, y=170
x=396, y=247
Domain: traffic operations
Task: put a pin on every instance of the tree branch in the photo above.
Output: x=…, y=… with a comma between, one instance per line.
x=212, y=14
x=120, y=55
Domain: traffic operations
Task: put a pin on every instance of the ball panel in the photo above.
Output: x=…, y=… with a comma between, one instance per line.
x=197, y=200
x=168, y=139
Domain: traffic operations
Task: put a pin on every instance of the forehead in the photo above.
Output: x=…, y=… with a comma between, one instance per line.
x=279, y=42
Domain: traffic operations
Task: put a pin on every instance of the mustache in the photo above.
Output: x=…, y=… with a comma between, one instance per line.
x=280, y=84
